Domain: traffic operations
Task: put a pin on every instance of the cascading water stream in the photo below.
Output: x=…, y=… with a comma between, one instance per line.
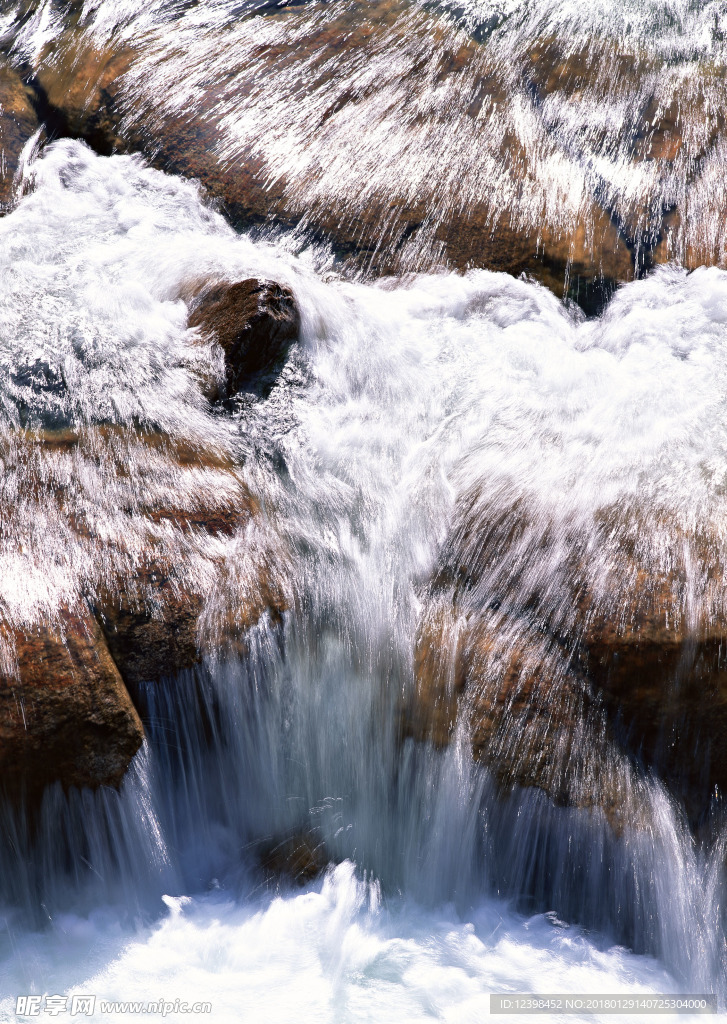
x=598, y=130
x=401, y=398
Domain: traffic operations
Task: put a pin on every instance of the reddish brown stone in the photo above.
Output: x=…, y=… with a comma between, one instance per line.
x=18, y=123
x=65, y=714
x=627, y=602
x=254, y=322
x=83, y=85
x=185, y=506
x=526, y=711
x=389, y=232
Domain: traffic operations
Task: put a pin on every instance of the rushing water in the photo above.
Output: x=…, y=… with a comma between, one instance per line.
x=413, y=411
x=398, y=397
x=562, y=114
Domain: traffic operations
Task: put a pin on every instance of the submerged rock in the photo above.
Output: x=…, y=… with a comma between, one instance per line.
x=254, y=322
x=65, y=714
x=298, y=858
x=18, y=124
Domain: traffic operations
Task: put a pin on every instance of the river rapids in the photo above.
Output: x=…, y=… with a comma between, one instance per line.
x=412, y=405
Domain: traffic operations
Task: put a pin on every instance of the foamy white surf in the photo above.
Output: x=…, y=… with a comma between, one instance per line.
x=333, y=953
x=400, y=395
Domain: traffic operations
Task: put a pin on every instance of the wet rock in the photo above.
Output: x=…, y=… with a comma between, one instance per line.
x=79, y=90
x=479, y=156
x=525, y=711
x=584, y=262
x=652, y=634
x=379, y=226
x=627, y=604
x=18, y=124
x=254, y=322
x=154, y=626
x=155, y=636
x=165, y=541
x=652, y=163
x=127, y=557
x=299, y=858
x=65, y=714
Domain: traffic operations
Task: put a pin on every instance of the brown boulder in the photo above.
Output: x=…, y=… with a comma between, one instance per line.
x=253, y=322
x=630, y=602
x=490, y=154
x=526, y=712
x=486, y=205
x=65, y=713
x=153, y=635
x=80, y=87
x=155, y=556
x=651, y=630
x=657, y=156
x=169, y=545
x=18, y=123
x=158, y=624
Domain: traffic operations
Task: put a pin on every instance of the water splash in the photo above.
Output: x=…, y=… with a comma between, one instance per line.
x=402, y=398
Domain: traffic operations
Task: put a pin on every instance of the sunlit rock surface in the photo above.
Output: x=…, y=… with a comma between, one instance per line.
x=550, y=618
x=156, y=575
x=78, y=88
x=526, y=141
x=65, y=714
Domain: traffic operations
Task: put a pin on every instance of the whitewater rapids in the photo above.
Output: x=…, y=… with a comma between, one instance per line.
x=399, y=394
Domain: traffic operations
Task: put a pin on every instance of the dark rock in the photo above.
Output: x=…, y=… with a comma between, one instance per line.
x=254, y=323
x=79, y=90
x=652, y=634
x=153, y=629
x=151, y=637
x=18, y=124
x=298, y=858
x=65, y=713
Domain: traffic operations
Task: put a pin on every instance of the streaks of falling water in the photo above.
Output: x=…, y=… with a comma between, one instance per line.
x=400, y=398
x=554, y=119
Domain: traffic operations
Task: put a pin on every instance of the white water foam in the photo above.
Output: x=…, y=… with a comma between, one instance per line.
x=400, y=395
x=333, y=953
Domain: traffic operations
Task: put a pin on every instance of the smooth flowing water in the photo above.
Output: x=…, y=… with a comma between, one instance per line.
x=411, y=407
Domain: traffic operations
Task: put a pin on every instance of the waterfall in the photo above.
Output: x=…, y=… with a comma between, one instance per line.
x=449, y=468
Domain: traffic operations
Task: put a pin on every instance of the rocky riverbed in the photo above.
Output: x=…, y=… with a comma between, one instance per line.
x=362, y=447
